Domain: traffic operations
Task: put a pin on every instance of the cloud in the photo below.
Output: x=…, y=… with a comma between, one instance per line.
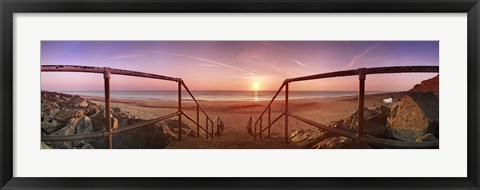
x=206, y=60
x=127, y=56
x=298, y=62
x=365, y=52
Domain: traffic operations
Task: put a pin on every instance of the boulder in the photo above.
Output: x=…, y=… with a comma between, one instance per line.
x=84, y=126
x=50, y=127
x=339, y=142
x=83, y=104
x=170, y=127
x=99, y=123
x=93, y=109
x=416, y=114
x=63, y=116
x=298, y=136
x=374, y=122
x=427, y=137
x=306, y=139
x=67, y=130
x=87, y=146
x=147, y=137
x=51, y=106
x=47, y=115
x=44, y=146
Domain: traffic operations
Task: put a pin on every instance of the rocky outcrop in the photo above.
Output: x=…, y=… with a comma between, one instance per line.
x=416, y=115
x=430, y=85
x=64, y=114
x=171, y=127
x=308, y=138
x=374, y=124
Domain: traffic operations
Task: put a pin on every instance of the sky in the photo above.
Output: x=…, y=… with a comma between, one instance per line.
x=236, y=65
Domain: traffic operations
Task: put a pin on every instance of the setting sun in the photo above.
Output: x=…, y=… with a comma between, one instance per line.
x=255, y=86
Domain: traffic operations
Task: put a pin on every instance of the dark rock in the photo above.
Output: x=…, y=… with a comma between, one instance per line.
x=170, y=126
x=295, y=133
x=298, y=136
x=84, y=126
x=147, y=137
x=51, y=106
x=116, y=110
x=375, y=129
x=67, y=130
x=87, y=146
x=50, y=127
x=307, y=139
x=48, y=114
x=427, y=137
x=374, y=122
x=44, y=146
x=433, y=128
x=99, y=121
x=93, y=109
x=63, y=116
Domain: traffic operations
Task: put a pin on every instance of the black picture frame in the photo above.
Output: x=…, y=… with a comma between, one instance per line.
x=9, y=7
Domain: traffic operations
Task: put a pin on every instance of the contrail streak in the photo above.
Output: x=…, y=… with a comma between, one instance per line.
x=298, y=62
x=206, y=60
x=355, y=59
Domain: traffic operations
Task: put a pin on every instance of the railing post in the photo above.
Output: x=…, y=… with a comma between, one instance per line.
x=212, y=128
x=206, y=127
x=198, y=123
x=361, y=96
x=108, y=121
x=255, y=131
x=261, y=118
x=179, y=109
x=286, y=111
x=269, y=110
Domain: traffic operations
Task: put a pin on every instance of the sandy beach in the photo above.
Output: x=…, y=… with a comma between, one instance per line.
x=235, y=115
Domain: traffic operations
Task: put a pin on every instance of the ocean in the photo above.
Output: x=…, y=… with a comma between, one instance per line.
x=219, y=95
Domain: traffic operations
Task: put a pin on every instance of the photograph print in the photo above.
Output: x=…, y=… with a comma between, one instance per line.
x=239, y=95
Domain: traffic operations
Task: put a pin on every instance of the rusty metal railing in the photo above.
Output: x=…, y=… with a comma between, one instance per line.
x=109, y=131
x=359, y=136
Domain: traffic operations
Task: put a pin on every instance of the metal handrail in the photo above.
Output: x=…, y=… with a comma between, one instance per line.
x=361, y=72
x=109, y=132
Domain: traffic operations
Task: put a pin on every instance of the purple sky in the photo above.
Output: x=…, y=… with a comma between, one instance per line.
x=235, y=65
